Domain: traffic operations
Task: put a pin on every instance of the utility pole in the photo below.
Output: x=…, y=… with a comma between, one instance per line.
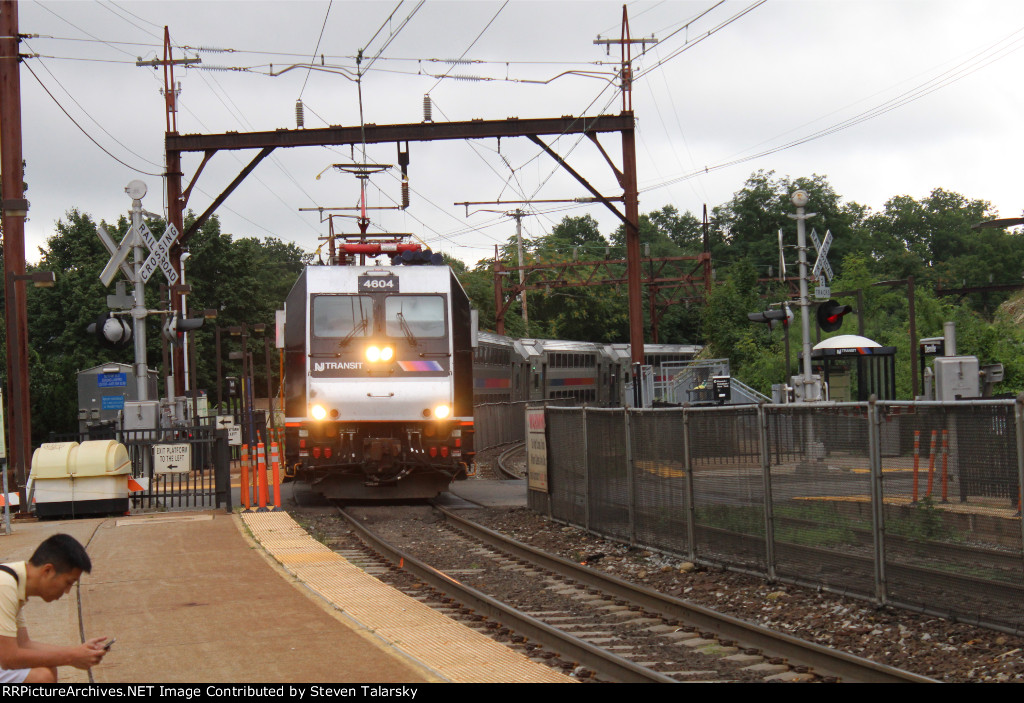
x=631, y=222
x=14, y=210
x=519, y=215
x=175, y=203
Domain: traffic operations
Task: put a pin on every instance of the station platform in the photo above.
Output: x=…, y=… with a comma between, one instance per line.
x=208, y=597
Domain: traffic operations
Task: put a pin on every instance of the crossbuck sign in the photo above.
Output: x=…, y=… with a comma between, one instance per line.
x=821, y=265
x=157, y=254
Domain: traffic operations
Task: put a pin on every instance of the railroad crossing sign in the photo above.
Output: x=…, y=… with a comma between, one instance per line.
x=118, y=254
x=821, y=265
x=158, y=253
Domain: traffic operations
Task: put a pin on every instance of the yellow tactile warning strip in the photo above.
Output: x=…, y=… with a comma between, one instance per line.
x=456, y=653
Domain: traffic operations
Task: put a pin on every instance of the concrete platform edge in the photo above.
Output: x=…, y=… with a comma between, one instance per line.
x=433, y=641
x=344, y=618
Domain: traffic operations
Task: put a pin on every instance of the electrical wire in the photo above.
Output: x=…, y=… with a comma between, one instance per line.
x=317, y=49
x=143, y=19
x=269, y=189
x=94, y=120
x=690, y=44
x=382, y=26
x=473, y=43
x=974, y=63
x=80, y=29
x=391, y=38
x=82, y=129
x=121, y=17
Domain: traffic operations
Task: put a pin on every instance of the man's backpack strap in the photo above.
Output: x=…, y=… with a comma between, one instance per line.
x=12, y=572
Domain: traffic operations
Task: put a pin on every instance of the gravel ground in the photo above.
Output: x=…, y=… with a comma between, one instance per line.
x=930, y=646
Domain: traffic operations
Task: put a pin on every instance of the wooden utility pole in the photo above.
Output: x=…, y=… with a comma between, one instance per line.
x=14, y=210
x=175, y=202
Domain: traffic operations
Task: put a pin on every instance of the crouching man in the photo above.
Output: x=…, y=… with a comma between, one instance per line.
x=53, y=569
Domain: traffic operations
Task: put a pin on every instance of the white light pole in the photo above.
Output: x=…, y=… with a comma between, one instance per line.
x=799, y=199
x=136, y=190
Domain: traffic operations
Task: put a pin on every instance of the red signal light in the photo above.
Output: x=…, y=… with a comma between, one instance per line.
x=830, y=315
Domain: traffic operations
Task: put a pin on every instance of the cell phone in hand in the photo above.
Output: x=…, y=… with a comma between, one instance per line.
x=109, y=644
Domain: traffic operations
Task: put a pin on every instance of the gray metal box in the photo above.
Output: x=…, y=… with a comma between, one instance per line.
x=141, y=415
x=103, y=391
x=957, y=376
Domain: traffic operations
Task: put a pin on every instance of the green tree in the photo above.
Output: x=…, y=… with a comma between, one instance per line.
x=747, y=227
x=933, y=240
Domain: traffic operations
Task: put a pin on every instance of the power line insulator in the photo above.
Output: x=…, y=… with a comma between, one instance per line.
x=300, y=118
x=427, y=109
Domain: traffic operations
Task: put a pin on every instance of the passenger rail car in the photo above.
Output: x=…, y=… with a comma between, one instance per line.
x=378, y=380
x=507, y=370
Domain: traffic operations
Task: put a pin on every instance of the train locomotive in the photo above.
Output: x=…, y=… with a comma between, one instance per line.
x=378, y=380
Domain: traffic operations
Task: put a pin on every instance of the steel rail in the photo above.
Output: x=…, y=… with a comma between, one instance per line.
x=824, y=660
x=503, y=457
x=604, y=662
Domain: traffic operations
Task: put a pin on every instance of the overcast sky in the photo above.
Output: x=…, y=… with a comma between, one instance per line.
x=942, y=80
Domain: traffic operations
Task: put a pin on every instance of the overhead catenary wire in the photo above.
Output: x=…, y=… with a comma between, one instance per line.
x=391, y=38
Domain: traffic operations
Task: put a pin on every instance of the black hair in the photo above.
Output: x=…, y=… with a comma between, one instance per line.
x=64, y=552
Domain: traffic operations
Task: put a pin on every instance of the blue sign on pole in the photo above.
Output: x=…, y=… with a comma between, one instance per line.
x=112, y=380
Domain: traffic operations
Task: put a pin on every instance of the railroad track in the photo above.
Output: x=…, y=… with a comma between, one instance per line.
x=601, y=627
x=504, y=462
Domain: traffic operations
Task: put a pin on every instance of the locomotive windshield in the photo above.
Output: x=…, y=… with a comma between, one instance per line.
x=418, y=315
x=342, y=316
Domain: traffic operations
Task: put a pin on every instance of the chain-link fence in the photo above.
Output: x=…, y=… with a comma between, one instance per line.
x=910, y=504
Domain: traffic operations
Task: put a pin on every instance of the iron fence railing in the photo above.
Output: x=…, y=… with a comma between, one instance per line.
x=913, y=504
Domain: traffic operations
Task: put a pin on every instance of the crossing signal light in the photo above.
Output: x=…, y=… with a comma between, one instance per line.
x=111, y=332
x=830, y=315
x=176, y=326
x=772, y=317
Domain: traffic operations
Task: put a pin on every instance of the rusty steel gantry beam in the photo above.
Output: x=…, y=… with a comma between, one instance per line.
x=624, y=123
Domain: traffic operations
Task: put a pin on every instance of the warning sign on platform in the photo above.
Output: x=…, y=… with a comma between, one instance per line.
x=536, y=450
x=172, y=458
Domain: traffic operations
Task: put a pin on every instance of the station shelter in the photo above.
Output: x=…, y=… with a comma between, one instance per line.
x=855, y=368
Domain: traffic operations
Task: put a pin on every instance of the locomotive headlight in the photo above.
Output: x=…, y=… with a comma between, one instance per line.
x=442, y=411
x=318, y=412
x=375, y=354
